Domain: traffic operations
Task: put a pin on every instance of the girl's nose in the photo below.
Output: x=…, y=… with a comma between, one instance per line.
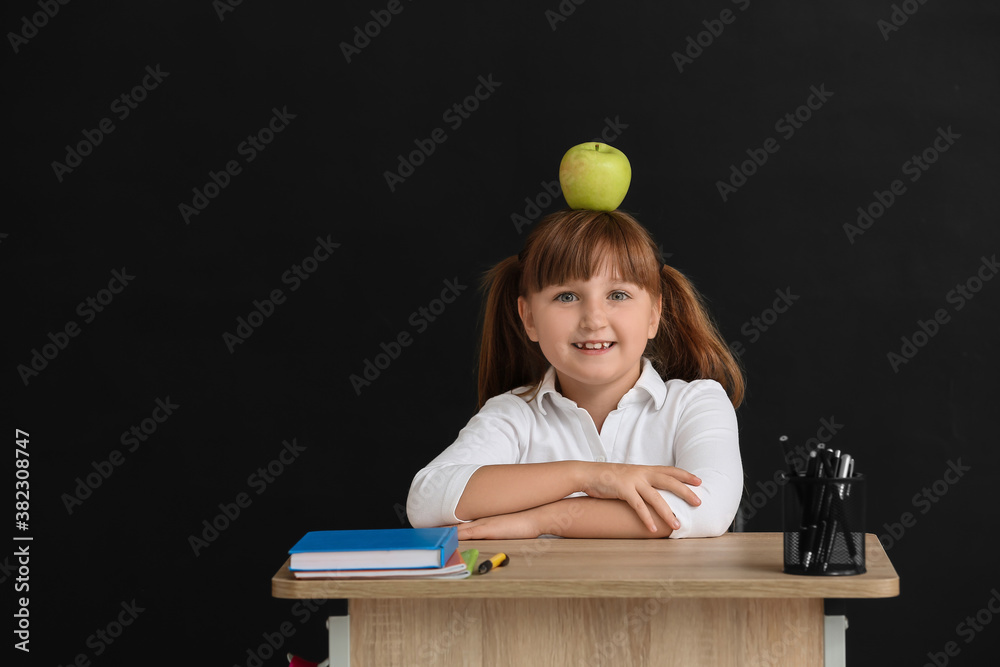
x=594, y=315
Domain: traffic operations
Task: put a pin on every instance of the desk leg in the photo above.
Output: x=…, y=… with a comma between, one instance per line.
x=834, y=640
x=340, y=640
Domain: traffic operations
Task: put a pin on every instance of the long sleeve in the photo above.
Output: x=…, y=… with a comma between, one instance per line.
x=690, y=425
x=495, y=435
x=706, y=443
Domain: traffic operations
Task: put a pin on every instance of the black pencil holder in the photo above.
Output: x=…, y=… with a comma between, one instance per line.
x=823, y=519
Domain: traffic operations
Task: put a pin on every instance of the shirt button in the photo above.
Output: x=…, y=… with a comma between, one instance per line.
x=600, y=459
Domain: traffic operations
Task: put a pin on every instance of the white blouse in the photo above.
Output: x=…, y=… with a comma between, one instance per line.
x=690, y=425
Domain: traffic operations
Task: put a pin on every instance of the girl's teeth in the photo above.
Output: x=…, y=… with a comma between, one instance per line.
x=593, y=346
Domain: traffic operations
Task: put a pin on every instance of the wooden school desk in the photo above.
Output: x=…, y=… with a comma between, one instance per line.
x=718, y=601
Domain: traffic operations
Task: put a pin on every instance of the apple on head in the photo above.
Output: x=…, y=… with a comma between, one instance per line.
x=594, y=176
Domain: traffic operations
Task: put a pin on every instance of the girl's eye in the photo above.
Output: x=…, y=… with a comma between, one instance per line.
x=569, y=297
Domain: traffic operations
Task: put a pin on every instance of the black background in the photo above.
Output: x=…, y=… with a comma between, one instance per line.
x=608, y=67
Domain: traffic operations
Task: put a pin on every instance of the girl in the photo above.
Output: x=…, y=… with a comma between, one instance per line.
x=607, y=398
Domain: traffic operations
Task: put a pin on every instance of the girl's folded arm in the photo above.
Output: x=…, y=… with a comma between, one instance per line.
x=707, y=443
x=568, y=517
x=503, y=489
x=495, y=436
x=598, y=518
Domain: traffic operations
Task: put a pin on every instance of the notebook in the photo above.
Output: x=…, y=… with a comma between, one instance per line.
x=455, y=568
x=378, y=549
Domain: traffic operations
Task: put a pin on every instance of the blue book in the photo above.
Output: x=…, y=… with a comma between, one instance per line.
x=395, y=548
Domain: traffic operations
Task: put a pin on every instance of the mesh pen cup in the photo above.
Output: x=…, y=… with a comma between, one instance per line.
x=823, y=519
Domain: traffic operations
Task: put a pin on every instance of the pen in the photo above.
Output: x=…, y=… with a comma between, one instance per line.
x=827, y=545
x=858, y=557
x=846, y=465
x=812, y=466
x=827, y=494
x=833, y=464
x=816, y=501
x=822, y=552
x=821, y=454
x=820, y=532
x=842, y=472
x=498, y=560
x=809, y=544
x=835, y=510
x=793, y=466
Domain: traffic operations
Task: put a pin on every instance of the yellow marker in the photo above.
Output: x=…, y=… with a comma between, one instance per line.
x=499, y=560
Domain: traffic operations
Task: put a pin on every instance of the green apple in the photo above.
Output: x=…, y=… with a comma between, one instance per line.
x=594, y=176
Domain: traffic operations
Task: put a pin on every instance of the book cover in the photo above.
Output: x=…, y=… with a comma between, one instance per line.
x=397, y=548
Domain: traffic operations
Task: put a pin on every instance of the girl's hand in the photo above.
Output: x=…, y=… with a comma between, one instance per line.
x=638, y=484
x=516, y=526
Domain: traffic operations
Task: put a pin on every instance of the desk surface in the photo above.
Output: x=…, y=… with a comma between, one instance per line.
x=736, y=565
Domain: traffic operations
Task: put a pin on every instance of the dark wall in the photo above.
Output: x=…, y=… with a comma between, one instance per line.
x=884, y=346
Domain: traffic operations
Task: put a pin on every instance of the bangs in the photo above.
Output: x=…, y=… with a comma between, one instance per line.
x=576, y=245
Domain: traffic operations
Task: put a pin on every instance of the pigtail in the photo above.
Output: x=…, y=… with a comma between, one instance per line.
x=688, y=345
x=507, y=357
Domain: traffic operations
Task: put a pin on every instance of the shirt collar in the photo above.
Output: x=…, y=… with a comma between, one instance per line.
x=649, y=384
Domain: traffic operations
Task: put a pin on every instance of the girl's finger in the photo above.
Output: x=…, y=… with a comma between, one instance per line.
x=681, y=490
x=683, y=475
x=639, y=505
x=663, y=509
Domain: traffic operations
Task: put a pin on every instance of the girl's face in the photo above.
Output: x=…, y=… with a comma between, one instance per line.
x=613, y=316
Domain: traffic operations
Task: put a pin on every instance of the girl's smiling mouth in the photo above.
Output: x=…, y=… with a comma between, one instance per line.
x=596, y=346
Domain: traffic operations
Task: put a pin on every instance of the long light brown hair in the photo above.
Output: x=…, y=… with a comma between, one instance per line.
x=573, y=245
